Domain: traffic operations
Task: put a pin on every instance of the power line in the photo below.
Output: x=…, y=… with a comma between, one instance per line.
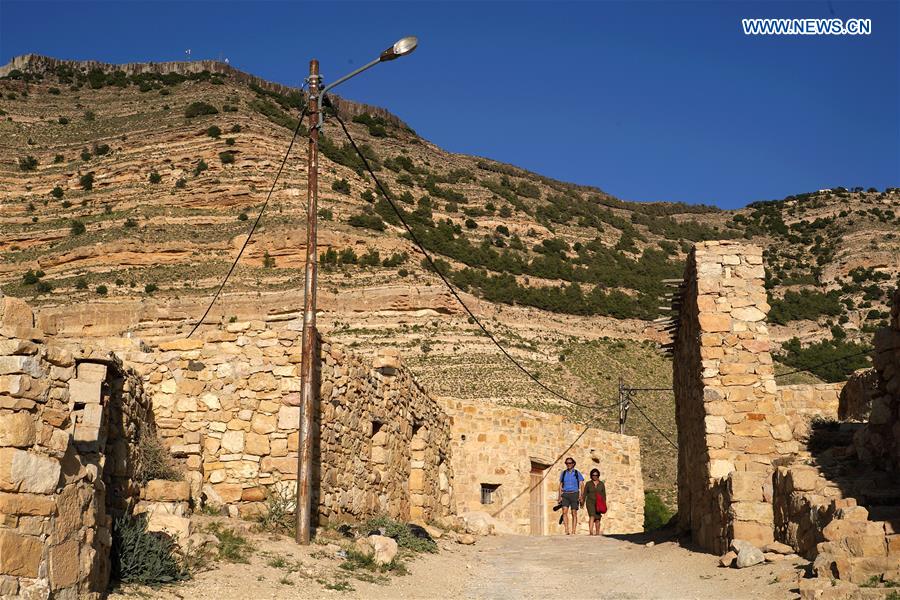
x=450, y=287
x=652, y=424
x=255, y=223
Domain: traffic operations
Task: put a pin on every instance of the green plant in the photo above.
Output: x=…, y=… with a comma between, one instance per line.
x=201, y=166
x=402, y=533
x=155, y=177
x=181, y=183
x=139, y=556
x=129, y=222
x=27, y=163
x=63, y=121
x=214, y=132
x=229, y=141
x=53, y=90
x=340, y=586
x=81, y=284
x=31, y=276
x=367, y=221
x=57, y=192
x=86, y=181
x=236, y=128
x=656, y=513
x=76, y=227
x=65, y=204
x=242, y=217
x=342, y=186
x=233, y=547
x=100, y=149
x=150, y=288
x=227, y=158
x=279, y=515
x=58, y=159
x=85, y=155
x=89, y=116
x=195, y=109
x=268, y=260
x=43, y=287
x=101, y=289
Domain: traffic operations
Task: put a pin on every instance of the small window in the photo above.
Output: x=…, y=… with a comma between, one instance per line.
x=488, y=490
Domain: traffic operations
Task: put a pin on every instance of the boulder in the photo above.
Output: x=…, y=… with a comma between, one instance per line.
x=747, y=554
x=479, y=522
x=465, y=539
x=177, y=527
x=727, y=559
x=434, y=532
x=778, y=548
x=385, y=549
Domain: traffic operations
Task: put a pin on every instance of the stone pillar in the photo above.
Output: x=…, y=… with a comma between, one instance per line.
x=730, y=422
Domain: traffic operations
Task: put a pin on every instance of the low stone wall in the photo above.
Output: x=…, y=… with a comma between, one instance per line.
x=516, y=456
x=227, y=404
x=804, y=403
x=68, y=431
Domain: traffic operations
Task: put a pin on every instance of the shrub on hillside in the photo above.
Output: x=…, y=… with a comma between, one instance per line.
x=830, y=360
x=63, y=120
x=76, y=227
x=57, y=192
x=214, y=132
x=805, y=304
x=86, y=181
x=180, y=183
x=100, y=149
x=367, y=221
x=150, y=288
x=155, y=177
x=85, y=155
x=101, y=290
x=201, y=166
x=195, y=109
x=227, y=158
x=58, y=159
x=27, y=163
x=341, y=186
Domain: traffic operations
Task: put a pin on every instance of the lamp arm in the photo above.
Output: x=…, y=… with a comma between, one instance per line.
x=338, y=82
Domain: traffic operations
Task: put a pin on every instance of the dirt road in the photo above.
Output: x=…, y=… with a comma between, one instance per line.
x=495, y=568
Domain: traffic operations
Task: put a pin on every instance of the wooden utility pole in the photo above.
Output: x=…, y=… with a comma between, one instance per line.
x=310, y=335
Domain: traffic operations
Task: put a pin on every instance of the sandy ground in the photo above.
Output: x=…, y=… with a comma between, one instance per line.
x=501, y=567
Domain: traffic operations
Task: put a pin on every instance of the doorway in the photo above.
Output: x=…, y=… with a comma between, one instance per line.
x=537, y=510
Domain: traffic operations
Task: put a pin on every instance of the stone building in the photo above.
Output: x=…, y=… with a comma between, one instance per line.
x=507, y=462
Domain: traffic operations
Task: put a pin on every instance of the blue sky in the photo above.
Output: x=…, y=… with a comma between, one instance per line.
x=646, y=100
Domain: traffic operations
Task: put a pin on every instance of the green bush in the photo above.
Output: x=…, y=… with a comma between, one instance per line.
x=101, y=149
x=402, y=533
x=229, y=141
x=201, y=166
x=236, y=128
x=195, y=109
x=342, y=186
x=150, y=288
x=656, y=513
x=101, y=289
x=214, y=132
x=57, y=192
x=129, y=222
x=180, y=183
x=804, y=305
x=27, y=163
x=43, y=287
x=155, y=177
x=63, y=121
x=85, y=155
x=233, y=547
x=139, y=556
x=58, y=159
x=243, y=216
x=76, y=227
x=86, y=181
x=31, y=276
x=154, y=460
x=65, y=204
x=89, y=116
x=367, y=221
x=81, y=284
x=831, y=352
x=227, y=158
x=268, y=260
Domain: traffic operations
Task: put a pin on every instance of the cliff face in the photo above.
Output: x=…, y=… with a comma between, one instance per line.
x=38, y=64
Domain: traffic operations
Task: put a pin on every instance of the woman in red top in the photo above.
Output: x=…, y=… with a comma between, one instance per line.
x=592, y=489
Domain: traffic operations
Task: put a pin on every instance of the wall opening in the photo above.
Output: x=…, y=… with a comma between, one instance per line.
x=489, y=493
x=536, y=508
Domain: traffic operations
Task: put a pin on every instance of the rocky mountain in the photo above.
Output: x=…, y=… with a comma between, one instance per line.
x=126, y=192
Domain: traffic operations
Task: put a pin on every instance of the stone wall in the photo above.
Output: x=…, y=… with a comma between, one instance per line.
x=730, y=421
x=500, y=447
x=806, y=402
x=227, y=404
x=68, y=464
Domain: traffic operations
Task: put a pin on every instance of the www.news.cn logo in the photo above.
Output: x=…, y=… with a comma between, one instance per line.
x=807, y=26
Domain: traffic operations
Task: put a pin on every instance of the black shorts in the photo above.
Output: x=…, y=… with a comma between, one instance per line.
x=569, y=500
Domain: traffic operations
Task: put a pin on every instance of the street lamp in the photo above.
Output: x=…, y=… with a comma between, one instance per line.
x=310, y=336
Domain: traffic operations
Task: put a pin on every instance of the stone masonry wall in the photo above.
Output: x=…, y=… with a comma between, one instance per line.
x=730, y=421
x=227, y=404
x=498, y=446
x=68, y=424
x=806, y=402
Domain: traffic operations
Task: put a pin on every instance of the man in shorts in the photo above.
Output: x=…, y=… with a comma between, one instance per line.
x=571, y=483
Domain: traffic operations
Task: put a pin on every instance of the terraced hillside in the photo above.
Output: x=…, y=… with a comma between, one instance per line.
x=125, y=193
